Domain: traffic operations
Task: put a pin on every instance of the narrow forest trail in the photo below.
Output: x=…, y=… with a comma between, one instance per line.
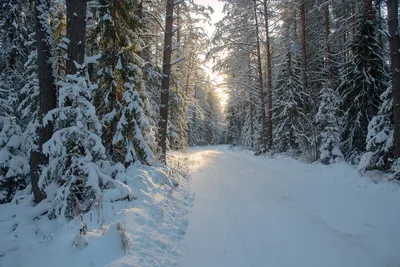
x=259, y=211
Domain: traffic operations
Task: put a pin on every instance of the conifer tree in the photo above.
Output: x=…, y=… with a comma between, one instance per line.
x=363, y=79
x=380, y=147
x=329, y=132
x=14, y=165
x=121, y=97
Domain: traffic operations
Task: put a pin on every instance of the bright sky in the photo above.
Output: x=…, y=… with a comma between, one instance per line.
x=216, y=16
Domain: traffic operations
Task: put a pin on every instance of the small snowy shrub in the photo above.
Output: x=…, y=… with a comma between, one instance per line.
x=14, y=165
x=380, y=136
x=81, y=240
x=329, y=136
x=125, y=240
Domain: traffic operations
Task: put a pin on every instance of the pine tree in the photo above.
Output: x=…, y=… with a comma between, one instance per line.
x=14, y=165
x=197, y=125
x=288, y=105
x=380, y=146
x=363, y=76
x=329, y=134
x=15, y=27
x=121, y=98
x=234, y=127
x=75, y=151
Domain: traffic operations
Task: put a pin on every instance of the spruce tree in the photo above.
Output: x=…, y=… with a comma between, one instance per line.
x=75, y=151
x=121, y=96
x=363, y=79
x=329, y=124
x=379, y=143
x=288, y=105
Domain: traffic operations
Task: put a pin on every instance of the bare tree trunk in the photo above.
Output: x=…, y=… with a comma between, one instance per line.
x=178, y=24
x=163, y=120
x=269, y=76
x=251, y=105
x=354, y=21
x=261, y=83
x=295, y=25
x=394, y=43
x=379, y=21
x=328, y=46
x=139, y=13
x=48, y=97
x=304, y=45
x=368, y=4
x=76, y=33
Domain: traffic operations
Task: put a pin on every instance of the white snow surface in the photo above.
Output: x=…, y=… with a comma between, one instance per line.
x=152, y=226
x=279, y=212
x=237, y=210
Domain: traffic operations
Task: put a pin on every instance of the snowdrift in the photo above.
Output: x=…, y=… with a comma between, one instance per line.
x=143, y=232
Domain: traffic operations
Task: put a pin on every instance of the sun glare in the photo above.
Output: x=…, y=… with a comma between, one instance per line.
x=223, y=96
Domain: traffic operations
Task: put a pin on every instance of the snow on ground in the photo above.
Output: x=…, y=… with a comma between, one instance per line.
x=248, y=211
x=150, y=227
x=279, y=212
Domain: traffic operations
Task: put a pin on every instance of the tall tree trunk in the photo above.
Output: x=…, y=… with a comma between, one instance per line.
x=394, y=43
x=251, y=105
x=261, y=83
x=178, y=24
x=379, y=21
x=368, y=4
x=48, y=97
x=76, y=33
x=139, y=14
x=303, y=45
x=269, y=75
x=163, y=120
x=328, y=46
x=295, y=25
x=354, y=20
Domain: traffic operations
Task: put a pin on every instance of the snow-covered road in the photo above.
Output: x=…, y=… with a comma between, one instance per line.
x=259, y=211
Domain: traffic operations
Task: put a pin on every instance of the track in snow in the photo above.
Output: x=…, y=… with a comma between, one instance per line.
x=256, y=211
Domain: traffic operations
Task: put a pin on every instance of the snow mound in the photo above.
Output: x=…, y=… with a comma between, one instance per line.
x=142, y=232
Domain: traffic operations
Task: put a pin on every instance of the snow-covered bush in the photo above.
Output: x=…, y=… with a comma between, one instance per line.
x=14, y=165
x=329, y=134
x=72, y=180
x=380, y=136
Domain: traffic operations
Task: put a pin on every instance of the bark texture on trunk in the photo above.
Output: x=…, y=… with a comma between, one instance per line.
x=163, y=120
x=368, y=4
x=48, y=97
x=394, y=43
x=261, y=83
x=303, y=44
x=269, y=76
x=76, y=33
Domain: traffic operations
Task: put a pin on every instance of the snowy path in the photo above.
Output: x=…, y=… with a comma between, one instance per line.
x=256, y=211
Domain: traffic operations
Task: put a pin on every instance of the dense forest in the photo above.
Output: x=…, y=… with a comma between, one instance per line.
x=314, y=79
x=159, y=133
x=88, y=88
x=84, y=90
